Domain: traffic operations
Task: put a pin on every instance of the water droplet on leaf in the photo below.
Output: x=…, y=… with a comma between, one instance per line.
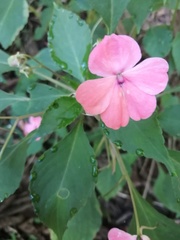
x=33, y=175
x=106, y=132
x=63, y=65
x=35, y=197
x=80, y=22
x=173, y=174
x=73, y=211
x=92, y=160
x=6, y=195
x=139, y=152
x=41, y=158
x=54, y=148
x=31, y=87
x=118, y=143
x=102, y=125
x=55, y=105
x=178, y=200
x=94, y=171
x=71, y=15
x=63, y=193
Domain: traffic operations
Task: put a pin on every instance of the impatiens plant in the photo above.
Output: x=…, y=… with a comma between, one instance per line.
x=96, y=106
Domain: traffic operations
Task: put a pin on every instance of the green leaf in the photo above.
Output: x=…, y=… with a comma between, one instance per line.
x=11, y=168
x=79, y=5
x=41, y=96
x=148, y=216
x=176, y=51
x=175, y=178
x=168, y=198
x=172, y=4
x=143, y=138
x=59, y=114
x=63, y=180
x=44, y=57
x=139, y=10
x=157, y=41
x=111, y=11
x=157, y=4
x=8, y=99
x=170, y=120
x=69, y=40
x=109, y=181
x=86, y=229
x=45, y=18
x=13, y=17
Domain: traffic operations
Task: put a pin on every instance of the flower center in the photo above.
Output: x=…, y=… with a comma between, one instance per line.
x=119, y=79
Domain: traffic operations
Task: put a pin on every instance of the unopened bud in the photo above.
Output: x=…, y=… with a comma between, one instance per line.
x=25, y=70
x=16, y=60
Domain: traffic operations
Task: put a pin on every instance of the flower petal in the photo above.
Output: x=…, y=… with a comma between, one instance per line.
x=95, y=95
x=117, y=234
x=114, y=54
x=116, y=114
x=150, y=75
x=140, y=105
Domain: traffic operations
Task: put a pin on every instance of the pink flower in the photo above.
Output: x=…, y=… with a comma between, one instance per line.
x=125, y=91
x=32, y=124
x=117, y=234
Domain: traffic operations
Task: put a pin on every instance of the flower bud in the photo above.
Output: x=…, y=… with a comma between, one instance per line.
x=16, y=60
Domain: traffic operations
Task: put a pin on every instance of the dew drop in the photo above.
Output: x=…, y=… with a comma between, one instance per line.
x=33, y=175
x=80, y=22
x=35, y=197
x=94, y=171
x=139, y=152
x=102, y=125
x=55, y=105
x=92, y=160
x=83, y=66
x=178, y=200
x=6, y=195
x=63, y=193
x=173, y=174
x=73, y=211
x=71, y=15
x=41, y=158
x=31, y=87
x=118, y=143
x=54, y=148
x=63, y=65
x=106, y=132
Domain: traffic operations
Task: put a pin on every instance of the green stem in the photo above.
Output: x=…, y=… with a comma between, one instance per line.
x=95, y=26
x=21, y=117
x=100, y=145
x=62, y=85
x=8, y=137
x=129, y=183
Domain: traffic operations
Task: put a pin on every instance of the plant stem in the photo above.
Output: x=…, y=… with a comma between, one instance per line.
x=8, y=137
x=95, y=26
x=21, y=117
x=129, y=183
x=62, y=85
